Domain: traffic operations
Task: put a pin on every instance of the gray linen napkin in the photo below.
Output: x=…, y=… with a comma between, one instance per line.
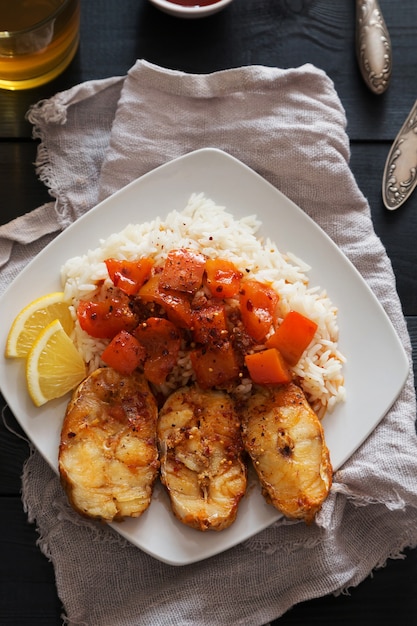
x=289, y=126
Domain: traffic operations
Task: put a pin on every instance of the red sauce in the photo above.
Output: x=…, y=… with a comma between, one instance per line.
x=194, y=3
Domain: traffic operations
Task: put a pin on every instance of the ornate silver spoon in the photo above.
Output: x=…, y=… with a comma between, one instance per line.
x=373, y=45
x=400, y=172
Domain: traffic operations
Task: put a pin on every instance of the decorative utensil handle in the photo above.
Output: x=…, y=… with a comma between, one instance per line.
x=400, y=172
x=373, y=45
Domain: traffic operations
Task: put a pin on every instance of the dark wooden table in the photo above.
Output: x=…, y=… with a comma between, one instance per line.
x=283, y=33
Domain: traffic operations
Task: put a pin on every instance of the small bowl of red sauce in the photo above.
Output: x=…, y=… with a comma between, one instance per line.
x=191, y=8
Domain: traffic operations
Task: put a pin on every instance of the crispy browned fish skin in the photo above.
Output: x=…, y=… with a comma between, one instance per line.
x=285, y=440
x=108, y=457
x=201, y=457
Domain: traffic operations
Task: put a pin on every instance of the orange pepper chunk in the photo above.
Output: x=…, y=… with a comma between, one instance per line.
x=214, y=367
x=292, y=336
x=267, y=367
x=210, y=325
x=222, y=278
x=257, y=307
x=106, y=318
x=129, y=276
x=176, y=303
x=162, y=341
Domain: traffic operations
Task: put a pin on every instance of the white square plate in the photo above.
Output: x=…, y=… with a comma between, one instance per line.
x=376, y=367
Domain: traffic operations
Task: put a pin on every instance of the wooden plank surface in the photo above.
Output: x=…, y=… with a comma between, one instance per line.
x=266, y=32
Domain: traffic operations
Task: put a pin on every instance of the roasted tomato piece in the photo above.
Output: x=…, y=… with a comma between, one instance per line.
x=210, y=326
x=214, y=367
x=162, y=341
x=183, y=270
x=175, y=303
x=257, y=307
x=222, y=278
x=106, y=318
x=124, y=353
x=129, y=276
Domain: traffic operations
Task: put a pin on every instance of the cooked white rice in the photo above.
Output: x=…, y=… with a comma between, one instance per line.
x=208, y=228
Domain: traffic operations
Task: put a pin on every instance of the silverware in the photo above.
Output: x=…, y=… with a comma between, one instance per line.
x=373, y=45
x=400, y=172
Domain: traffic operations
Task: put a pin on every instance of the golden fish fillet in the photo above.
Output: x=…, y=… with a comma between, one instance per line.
x=108, y=457
x=285, y=441
x=201, y=457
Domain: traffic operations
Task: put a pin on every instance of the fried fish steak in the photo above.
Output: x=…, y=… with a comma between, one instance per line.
x=201, y=457
x=108, y=455
x=285, y=440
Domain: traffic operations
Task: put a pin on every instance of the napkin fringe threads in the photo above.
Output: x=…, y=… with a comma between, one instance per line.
x=51, y=111
x=49, y=118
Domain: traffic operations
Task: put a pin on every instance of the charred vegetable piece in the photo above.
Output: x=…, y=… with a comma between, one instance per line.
x=201, y=457
x=108, y=457
x=285, y=441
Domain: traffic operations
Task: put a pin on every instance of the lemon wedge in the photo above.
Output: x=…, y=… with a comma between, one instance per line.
x=33, y=319
x=53, y=366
